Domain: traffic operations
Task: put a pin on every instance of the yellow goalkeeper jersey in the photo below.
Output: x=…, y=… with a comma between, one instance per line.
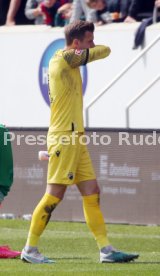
x=65, y=87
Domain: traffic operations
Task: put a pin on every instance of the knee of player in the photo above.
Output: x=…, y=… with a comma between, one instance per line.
x=95, y=190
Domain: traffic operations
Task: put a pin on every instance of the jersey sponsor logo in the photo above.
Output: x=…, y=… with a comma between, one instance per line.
x=43, y=68
x=78, y=52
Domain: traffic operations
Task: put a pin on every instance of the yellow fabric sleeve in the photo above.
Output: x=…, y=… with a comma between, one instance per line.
x=76, y=58
x=98, y=52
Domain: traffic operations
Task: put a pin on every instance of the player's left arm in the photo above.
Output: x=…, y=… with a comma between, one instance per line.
x=76, y=58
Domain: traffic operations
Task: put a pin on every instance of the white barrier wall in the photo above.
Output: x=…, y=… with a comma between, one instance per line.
x=128, y=176
x=24, y=54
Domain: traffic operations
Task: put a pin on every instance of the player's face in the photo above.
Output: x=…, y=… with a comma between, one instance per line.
x=87, y=42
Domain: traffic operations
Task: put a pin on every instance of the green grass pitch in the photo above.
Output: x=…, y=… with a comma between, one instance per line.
x=76, y=253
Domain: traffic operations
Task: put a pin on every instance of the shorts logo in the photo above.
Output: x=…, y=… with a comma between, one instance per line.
x=43, y=68
x=57, y=153
x=70, y=175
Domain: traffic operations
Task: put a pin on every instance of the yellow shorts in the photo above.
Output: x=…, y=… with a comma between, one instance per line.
x=69, y=161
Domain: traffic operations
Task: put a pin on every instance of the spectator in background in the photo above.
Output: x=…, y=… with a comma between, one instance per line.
x=108, y=11
x=4, y=5
x=13, y=9
x=12, y=12
x=139, y=10
x=120, y=6
x=42, y=11
x=63, y=15
x=157, y=3
x=82, y=11
x=140, y=32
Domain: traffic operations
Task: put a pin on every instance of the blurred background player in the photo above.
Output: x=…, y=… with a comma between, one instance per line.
x=70, y=163
x=6, y=164
x=6, y=180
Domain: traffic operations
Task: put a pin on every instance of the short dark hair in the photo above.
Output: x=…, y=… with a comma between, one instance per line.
x=77, y=30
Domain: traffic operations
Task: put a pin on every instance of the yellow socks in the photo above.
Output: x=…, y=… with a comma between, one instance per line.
x=95, y=220
x=41, y=217
x=92, y=213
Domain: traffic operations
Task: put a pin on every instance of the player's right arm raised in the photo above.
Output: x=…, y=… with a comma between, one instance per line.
x=76, y=58
x=98, y=52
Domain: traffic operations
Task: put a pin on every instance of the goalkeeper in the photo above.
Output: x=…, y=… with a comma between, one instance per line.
x=70, y=163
